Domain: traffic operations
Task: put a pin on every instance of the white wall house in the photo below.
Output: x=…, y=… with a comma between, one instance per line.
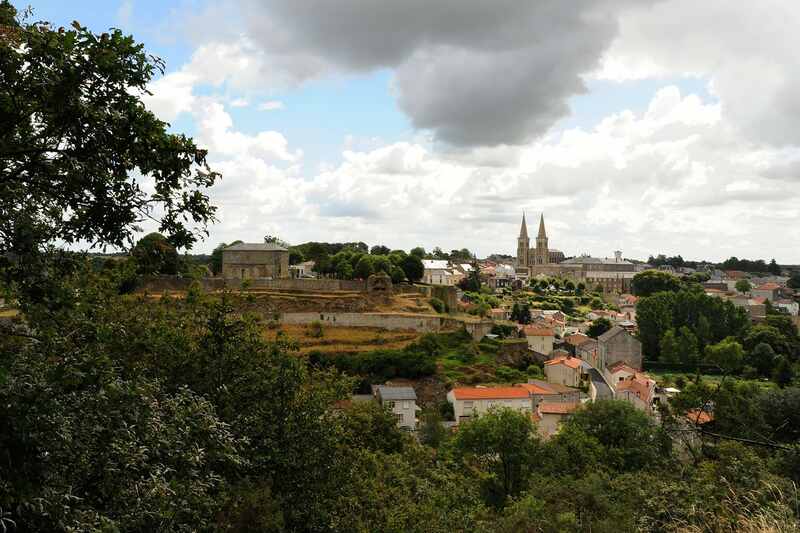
x=471, y=401
x=402, y=402
x=438, y=272
x=564, y=371
x=540, y=339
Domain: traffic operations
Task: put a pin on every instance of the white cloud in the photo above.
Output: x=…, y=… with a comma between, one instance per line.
x=239, y=102
x=271, y=105
x=660, y=181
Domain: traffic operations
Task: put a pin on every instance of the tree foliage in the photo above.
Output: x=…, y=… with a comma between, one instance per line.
x=650, y=282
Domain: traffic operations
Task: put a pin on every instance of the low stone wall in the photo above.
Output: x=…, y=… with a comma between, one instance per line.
x=175, y=283
x=390, y=321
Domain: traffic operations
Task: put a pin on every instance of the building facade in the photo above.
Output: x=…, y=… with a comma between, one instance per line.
x=255, y=260
x=528, y=257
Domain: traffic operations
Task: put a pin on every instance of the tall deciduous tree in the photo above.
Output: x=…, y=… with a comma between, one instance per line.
x=653, y=281
x=77, y=143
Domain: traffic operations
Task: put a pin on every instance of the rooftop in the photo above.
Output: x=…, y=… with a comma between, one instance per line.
x=396, y=393
x=490, y=393
x=558, y=408
x=571, y=362
x=435, y=264
x=256, y=247
x=537, y=331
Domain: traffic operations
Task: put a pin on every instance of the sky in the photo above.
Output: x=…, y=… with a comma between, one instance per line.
x=648, y=126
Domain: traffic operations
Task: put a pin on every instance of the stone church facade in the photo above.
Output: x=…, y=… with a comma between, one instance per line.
x=534, y=260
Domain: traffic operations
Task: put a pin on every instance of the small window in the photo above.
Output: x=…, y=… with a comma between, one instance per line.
x=406, y=404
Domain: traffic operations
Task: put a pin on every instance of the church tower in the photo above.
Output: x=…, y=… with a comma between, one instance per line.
x=542, y=254
x=523, y=244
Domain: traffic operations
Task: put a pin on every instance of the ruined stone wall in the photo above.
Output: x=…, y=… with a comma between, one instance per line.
x=175, y=283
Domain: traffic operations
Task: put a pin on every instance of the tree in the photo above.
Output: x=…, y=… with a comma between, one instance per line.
x=794, y=281
x=379, y=249
x=418, y=252
x=364, y=268
x=774, y=268
x=503, y=443
x=274, y=239
x=295, y=256
x=783, y=374
x=413, y=267
x=743, y=286
x=727, y=355
x=75, y=173
x=630, y=439
x=155, y=255
x=381, y=263
x=598, y=327
x=216, y=259
x=431, y=431
x=521, y=312
x=652, y=281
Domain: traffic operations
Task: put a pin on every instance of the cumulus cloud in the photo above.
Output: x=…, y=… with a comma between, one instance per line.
x=746, y=49
x=271, y=105
x=472, y=72
x=659, y=181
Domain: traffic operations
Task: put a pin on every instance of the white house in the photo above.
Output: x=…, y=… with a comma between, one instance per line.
x=638, y=389
x=438, y=272
x=540, y=339
x=471, y=401
x=565, y=370
x=791, y=307
x=402, y=402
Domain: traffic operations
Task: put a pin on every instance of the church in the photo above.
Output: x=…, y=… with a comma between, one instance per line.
x=534, y=261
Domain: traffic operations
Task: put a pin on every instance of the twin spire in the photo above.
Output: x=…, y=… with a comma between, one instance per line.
x=523, y=230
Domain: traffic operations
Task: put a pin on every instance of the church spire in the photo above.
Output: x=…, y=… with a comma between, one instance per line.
x=523, y=230
x=542, y=233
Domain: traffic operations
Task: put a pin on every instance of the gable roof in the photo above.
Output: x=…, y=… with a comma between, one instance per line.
x=435, y=264
x=537, y=388
x=571, y=362
x=769, y=286
x=576, y=339
x=396, y=393
x=256, y=247
x=490, y=393
x=622, y=366
x=558, y=408
x=537, y=331
x=610, y=334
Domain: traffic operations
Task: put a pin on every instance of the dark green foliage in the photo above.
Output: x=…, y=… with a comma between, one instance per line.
x=69, y=175
x=652, y=281
x=437, y=305
x=746, y=265
x=412, y=266
x=521, y=313
x=598, y=327
x=153, y=254
x=379, y=365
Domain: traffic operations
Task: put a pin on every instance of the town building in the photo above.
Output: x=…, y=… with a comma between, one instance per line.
x=402, y=402
x=549, y=417
x=540, y=255
x=540, y=339
x=564, y=371
x=255, y=260
x=473, y=401
x=438, y=272
x=618, y=345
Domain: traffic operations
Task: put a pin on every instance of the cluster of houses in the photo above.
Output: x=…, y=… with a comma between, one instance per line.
x=764, y=291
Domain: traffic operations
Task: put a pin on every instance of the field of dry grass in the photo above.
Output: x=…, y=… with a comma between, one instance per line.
x=340, y=339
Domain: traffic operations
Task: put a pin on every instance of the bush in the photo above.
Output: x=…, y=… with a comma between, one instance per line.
x=315, y=329
x=510, y=375
x=437, y=305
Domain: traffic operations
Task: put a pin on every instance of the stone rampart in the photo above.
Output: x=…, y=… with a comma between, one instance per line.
x=176, y=283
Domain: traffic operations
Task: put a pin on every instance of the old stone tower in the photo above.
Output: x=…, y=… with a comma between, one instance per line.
x=541, y=255
x=529, y=258
x=523, y=245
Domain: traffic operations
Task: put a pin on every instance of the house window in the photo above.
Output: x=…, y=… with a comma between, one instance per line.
x=406, y=404
x=467, y=407
x=398, y=418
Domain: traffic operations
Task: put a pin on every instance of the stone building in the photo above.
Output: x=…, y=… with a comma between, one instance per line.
x=618, y=345
x=255, y=260
x=528, y=257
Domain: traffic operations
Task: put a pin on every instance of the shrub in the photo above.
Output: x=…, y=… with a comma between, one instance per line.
x=437, y=305
x=315, y=329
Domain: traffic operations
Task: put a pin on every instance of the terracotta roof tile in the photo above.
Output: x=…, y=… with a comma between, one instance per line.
x=537, y=331
x=558, y=408
x=490, y=393
x=571, y=362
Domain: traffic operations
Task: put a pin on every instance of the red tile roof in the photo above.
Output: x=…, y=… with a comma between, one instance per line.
x=558, y=408
x=639, y=384
x=571, y=362
x=533, y=388
x=699, y=417
x=537, y=331
x=490, y=393
x=768, y=287
x=622, y=365
x=576, y=339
